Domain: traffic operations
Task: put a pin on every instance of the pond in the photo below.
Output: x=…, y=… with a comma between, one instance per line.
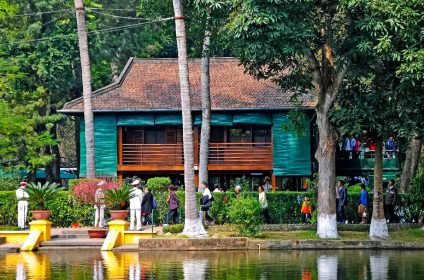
x=85, y=264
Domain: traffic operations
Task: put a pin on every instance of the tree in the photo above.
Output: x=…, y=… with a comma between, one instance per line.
x=410, y=164
x=381, y=98
x=296, y=44
x=193, y=225
x=86, y=84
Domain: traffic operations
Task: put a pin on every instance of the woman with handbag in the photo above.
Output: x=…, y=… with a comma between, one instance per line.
x=173, y=205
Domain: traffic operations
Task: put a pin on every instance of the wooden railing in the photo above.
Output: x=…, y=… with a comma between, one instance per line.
x=240, y=154
x=245, y=154
x=152, y=154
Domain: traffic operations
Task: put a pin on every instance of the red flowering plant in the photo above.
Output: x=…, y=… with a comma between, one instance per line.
x=85, y=191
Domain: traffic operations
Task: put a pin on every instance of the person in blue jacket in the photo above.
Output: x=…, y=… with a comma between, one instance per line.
x=363, y=205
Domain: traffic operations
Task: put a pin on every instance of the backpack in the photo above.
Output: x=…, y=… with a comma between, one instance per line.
x=154, y=204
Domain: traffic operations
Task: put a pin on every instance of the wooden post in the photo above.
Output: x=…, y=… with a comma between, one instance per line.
x=120, y=146
x=273, y=182
x=196, y=178
x=196, y=146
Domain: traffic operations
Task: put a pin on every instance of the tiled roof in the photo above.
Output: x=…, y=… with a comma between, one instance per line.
x=153, y=84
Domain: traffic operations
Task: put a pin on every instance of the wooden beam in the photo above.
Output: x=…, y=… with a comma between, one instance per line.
x=273, y=182
x=150, y=168
x=196, y=179
x=240, y=167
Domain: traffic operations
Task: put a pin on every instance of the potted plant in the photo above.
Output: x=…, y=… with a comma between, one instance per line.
x=117, y=200
x=39, y=195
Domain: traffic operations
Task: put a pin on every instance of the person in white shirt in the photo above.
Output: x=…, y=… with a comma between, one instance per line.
x=206, y=202
x=135, y=205
x=99, y=205
x=23, y=197
x=264, y=203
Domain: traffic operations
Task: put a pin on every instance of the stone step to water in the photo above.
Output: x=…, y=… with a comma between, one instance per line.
x=73, y=242
x=126, y=248
x=10, y=247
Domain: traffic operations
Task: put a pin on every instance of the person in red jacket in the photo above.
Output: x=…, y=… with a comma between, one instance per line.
x=306, y=210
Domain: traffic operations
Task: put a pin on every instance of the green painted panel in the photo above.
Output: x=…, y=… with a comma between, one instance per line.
x=252, y=118
x=216, y=120
x=292, y=152
x=105, y=144
x=136, y=120
x=168, y=119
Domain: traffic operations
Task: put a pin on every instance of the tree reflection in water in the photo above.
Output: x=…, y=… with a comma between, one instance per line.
x=194, y=269
x=232, y=265
x=379, y=267
x=327, y=267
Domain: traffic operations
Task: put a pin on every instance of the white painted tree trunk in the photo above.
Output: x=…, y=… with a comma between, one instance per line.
x=206, y=106
x=378, y=227
x=193, y=226
x=325, y=154
x=86, y=90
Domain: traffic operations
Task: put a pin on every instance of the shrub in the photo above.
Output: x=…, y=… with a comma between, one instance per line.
x=246, y=214
x=158, y=184
x=9, y=182
x=177, y=228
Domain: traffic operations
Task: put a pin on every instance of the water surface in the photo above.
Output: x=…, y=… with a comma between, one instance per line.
x=342, y=264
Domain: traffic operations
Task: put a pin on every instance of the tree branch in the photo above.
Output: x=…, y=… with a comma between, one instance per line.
x=316, y=76
x=334, y=89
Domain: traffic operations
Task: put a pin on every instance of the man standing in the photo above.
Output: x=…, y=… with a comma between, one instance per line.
x=135, y=205
x=99, y=205
x=23, y=197
x=390, y=201
x=341, y=202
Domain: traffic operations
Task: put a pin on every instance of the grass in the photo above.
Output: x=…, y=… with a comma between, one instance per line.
x=409, y=235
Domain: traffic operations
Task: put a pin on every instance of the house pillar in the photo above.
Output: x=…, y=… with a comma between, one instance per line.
x=274, y=182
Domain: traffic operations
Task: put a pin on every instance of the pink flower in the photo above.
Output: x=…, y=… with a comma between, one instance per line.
x=84, y=191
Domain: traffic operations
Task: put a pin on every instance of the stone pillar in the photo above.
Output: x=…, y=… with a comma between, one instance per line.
x=44, y=226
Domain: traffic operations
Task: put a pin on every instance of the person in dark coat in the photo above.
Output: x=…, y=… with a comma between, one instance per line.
x=173, y=205
x=390, y=201
x=146, y=206
x=341, y=202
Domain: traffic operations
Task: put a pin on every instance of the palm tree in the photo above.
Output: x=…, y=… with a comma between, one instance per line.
x=206, y=103
x=193, y=225
x=86, y=90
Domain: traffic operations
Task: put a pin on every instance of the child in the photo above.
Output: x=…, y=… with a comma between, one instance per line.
x=306, y=210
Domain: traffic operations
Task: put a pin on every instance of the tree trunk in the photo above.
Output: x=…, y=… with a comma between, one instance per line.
x=86, y=89
x=325, y=154
x=206, y=106
x=192, y=225
x=53, y=167
x=378, y=228
x=410, y=164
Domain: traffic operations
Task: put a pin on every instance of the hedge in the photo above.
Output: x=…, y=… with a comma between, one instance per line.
x=284, y=208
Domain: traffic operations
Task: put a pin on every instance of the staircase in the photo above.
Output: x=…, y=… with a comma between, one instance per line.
x=73, y=239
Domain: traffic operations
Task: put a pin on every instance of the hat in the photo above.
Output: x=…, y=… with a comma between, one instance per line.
x=135, y=182
x=101, y=183
x=23, y=183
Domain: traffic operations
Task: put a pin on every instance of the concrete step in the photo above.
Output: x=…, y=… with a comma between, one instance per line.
x=126, y=248
x=71, y=248
x=70, y=236
x=75, y=242
x=10, y=247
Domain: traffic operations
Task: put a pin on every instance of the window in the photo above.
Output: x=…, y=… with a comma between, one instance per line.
x=240, y=135
x=261, y=135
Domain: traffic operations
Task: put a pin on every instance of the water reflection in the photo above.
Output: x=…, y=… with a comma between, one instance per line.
x=379, y=267
x=305, y=265
x=327, y=267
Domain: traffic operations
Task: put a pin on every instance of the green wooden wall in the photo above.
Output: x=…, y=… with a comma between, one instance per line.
x=292, y=152
x=105, y=145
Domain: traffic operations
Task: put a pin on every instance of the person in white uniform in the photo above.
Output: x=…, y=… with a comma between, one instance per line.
x=100, y=205
x=23, y=197
x=135, y=205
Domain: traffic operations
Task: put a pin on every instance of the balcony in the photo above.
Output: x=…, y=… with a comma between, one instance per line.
x=222, y=156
